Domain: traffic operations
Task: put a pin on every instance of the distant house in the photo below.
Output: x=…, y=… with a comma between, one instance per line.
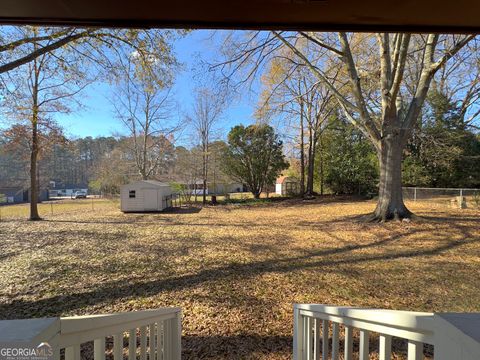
x=217, y=189
x=145, y=195
x=287, y=186
x=43, y=195
x=197, y=188
x=18, y=194
x=11, y=195
x=225, y=188
x=65, y=189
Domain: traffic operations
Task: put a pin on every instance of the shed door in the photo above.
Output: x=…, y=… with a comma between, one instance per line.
x=150, y=199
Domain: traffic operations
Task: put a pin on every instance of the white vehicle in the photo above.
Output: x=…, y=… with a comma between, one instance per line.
x=80, y=195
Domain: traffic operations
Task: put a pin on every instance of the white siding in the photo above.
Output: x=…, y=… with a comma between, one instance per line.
x=132, y=204
x=278, y=189
x=137, y=204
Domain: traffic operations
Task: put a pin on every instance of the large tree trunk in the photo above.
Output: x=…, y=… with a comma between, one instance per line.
x=390, y=198
x=33, y=172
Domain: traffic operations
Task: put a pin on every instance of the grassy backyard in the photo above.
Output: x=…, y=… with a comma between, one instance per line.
x=236, y=270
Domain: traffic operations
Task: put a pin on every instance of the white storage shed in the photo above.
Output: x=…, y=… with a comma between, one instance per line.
x=145, y=195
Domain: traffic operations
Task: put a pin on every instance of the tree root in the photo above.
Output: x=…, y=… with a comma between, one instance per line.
x=406, y=216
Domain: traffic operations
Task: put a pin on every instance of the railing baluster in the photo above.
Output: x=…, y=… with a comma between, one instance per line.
x=364, y=345
x=385, y=347
x=118, y=346
x=308, y=334
x=316, y=341
x=348, y=343
x=143, y=343
x=99, y=349
x=72, y=352
x=132, y=344
x=304, y=339
x=160, y=340
x=324, y=340
x=167, y=338
x=415, y=350
x=298, y=334
x=335, y=341
x=152, y=341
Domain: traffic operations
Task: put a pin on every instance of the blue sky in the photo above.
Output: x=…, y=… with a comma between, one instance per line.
x=97, y=117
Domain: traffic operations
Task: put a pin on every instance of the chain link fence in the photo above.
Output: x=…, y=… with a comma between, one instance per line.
x=60, y=206
x=443, y=196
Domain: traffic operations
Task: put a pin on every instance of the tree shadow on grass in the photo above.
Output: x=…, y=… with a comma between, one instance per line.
x=364, y=219
x=57, y=240
x=172, y=210
x=183, y=210
x=293, y=202
x=450, y=219
x=134, y=218
x=321, y=259
x=235, y=347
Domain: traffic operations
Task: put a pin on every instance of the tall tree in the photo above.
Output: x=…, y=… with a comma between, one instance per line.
x=444, y=151
x=305, y=106
x=347, y=161
x=382, y=95
x=207, y=110
x=217, y=177
x=143, y=103
x=46, y=85
x=111, y=172
x=254, y=156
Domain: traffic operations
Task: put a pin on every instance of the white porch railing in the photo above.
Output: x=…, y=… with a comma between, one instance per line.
x=159, y=333
x=454, y=336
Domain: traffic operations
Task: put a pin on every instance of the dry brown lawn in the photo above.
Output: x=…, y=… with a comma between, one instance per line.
x=236, y=270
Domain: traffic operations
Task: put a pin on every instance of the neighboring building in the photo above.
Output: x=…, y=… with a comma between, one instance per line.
x=218, y=188
x=43, y=195
x=287, y=186
x=145, y=195
x=11, y=195
x=61, y=189
x=225, y=188
x=18, y=194
x=197, y=188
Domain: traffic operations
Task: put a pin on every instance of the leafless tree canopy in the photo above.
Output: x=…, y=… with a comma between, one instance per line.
x=207, y=109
